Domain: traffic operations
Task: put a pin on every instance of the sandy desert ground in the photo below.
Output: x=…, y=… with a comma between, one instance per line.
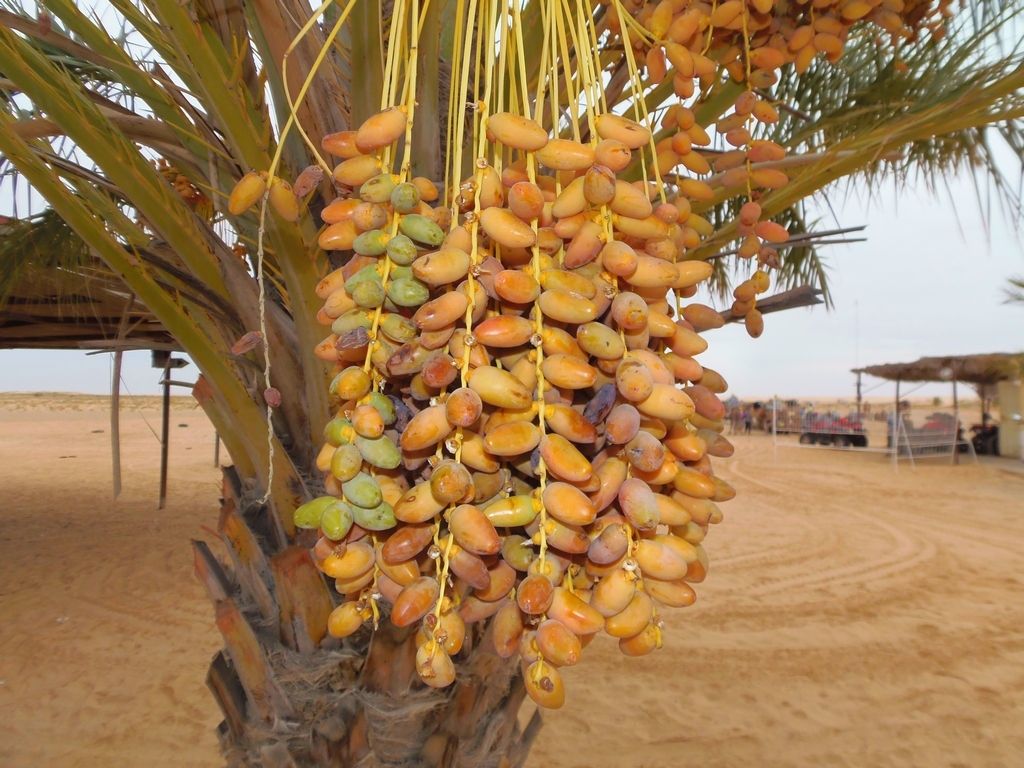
x=854, y=616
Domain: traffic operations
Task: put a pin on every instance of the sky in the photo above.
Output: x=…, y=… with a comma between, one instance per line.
x=928, y=281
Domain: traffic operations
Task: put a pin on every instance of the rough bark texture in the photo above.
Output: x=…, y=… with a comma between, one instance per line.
x=293, y=696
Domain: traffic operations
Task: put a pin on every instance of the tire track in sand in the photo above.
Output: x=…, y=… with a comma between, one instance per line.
x=908, y=548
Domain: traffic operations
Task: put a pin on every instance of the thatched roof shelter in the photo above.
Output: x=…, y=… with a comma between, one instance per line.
x=982, y=370
x=55, y=293
x=56, y=309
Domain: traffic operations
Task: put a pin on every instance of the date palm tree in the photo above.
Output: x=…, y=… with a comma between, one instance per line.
x=133, y=121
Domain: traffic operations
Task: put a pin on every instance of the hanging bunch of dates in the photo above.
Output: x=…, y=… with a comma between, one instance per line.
x=524, y=433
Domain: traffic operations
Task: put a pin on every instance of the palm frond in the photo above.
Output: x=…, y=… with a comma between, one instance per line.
x=801, y=264
x=874, y=85
x=1015, y=291
x=801, y=261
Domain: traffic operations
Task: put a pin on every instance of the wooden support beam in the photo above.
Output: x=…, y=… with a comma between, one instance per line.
x=115, y=423
x=115, y=397
x=165, y=429
x=895, y=429
x=860, y=399
x=956, y=425
x=12, y=341
x=53, y=329
x=95, y=312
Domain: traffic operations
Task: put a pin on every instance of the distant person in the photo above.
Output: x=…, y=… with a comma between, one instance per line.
x=748, y=421
x=735, y=417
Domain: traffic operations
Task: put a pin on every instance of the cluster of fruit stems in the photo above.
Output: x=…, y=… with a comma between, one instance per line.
x=557, y=32
x=553, y=18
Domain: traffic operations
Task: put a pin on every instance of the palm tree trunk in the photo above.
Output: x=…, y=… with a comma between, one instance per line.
x=293, y=696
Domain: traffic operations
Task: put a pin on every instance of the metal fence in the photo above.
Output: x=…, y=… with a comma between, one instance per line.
x=917, y=430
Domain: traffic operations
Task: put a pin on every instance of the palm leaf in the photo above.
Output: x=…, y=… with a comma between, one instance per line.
x=872, y=86
x=1015, y=291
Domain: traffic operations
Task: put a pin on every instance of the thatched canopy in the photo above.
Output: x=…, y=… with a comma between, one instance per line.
x=55, y=293
x=982, y=370
x=51, y=308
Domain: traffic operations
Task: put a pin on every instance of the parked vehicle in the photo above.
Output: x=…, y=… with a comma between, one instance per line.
x=831, y=429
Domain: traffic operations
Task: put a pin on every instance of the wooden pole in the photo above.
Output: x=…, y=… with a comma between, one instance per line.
x=775, y=427
x=956, y=426
x=895, y=430
x=115, y=398
x=165, y=432
x=115, y=423
x=859, y=398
